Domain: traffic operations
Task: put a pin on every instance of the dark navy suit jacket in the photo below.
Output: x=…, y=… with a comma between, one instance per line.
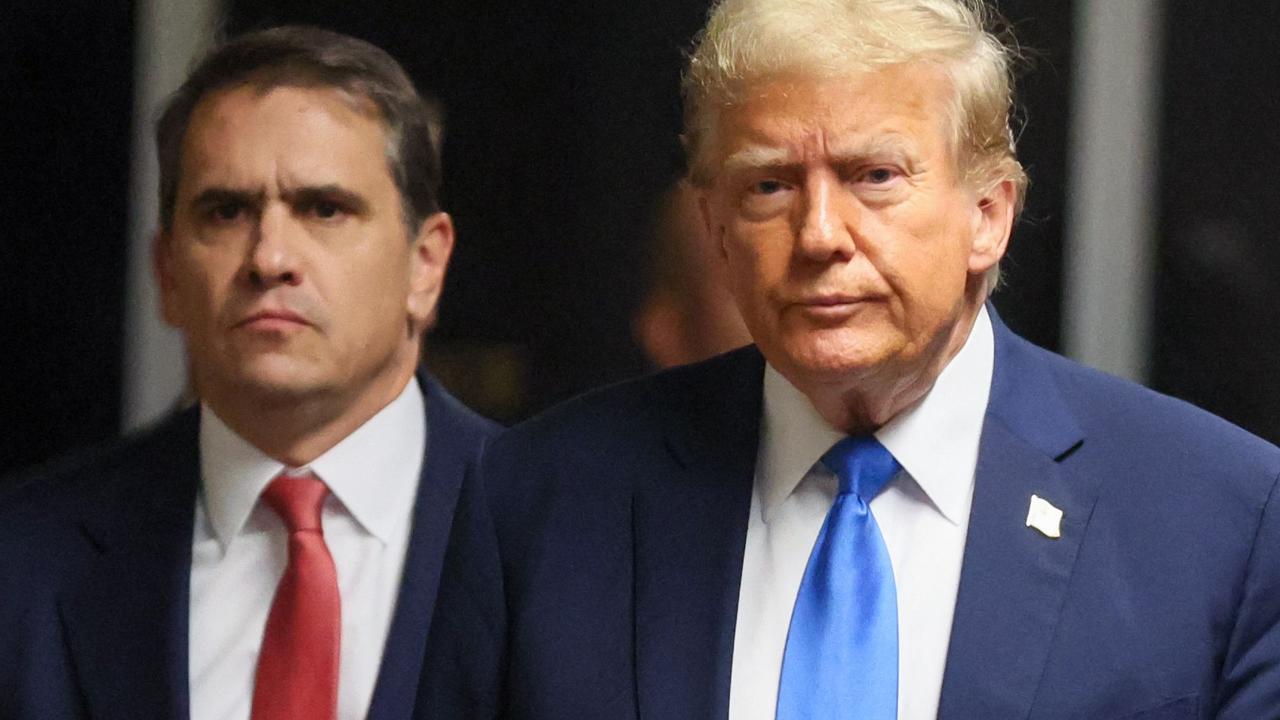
x=95, y=563
x=596, y=557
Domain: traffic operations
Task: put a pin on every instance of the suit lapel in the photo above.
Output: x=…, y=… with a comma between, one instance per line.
x=1014, y=578
x=452, y=444
x=126, y=624
x=689, y=518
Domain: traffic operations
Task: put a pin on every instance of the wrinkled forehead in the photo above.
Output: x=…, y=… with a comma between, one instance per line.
x=892, y=109
x=247, y=141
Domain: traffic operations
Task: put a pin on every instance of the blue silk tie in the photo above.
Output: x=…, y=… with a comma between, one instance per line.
x=841, y=659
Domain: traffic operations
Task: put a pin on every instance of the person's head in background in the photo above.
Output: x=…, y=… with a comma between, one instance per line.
x=302, y=247
x=687, y=314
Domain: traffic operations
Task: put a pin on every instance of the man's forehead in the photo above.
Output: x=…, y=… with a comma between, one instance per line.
x=782, y=120
x=231, y=108
x=246, y=139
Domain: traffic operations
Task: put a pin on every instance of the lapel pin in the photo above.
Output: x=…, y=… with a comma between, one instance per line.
x=1046, y=518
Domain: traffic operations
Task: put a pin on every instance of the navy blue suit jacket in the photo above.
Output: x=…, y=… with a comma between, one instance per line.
x=596, y=557
x=95, y=563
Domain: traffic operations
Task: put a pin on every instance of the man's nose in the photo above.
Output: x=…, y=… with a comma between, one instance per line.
x=273, y=254
x=824, y=232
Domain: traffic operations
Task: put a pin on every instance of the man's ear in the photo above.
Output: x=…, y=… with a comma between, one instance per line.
x=713, y=230
x=993, y=222
x=162, y=261
x=428, y=260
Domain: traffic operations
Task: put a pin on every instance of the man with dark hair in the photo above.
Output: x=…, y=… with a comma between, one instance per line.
x=275, y=551
x=687, y=314
x=890, y=507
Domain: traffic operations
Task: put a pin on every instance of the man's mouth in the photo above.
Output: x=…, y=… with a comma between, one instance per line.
x=831, y=300
x=276, y=319
x=830, y=307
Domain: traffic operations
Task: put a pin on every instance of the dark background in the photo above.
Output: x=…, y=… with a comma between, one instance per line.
x=562, y=125
x=1217, y=310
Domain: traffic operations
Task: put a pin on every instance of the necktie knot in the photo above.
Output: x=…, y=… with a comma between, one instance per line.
x=863, y=465
x=298, y=500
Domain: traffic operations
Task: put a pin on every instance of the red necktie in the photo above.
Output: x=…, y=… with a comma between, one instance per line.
x=297, y=675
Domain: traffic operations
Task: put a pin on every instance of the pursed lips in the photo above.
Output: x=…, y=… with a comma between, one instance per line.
x=830, y=300
x=273, y=318
x=827, y=308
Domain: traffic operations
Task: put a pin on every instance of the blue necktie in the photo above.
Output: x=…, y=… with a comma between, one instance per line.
x=841, y=659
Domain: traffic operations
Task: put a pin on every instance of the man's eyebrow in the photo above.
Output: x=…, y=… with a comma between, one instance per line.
x=214, y=196
x=754, y=157
x=351, y=200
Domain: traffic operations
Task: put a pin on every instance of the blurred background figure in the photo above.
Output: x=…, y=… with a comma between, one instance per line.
x=688, y=314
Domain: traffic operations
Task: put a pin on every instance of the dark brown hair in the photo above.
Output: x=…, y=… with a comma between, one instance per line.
x=312, y=57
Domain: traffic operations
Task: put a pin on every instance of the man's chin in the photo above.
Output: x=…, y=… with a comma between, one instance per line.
x=285, y=387
x=833, y=364
x=275, y=381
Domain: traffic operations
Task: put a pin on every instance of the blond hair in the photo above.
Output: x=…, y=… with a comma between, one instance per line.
x=748, y=41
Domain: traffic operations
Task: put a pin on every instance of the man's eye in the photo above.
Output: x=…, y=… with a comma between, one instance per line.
x=226, y=212
x=323, y=209
x=326, y=209
x=879, y=176
x=767, y=187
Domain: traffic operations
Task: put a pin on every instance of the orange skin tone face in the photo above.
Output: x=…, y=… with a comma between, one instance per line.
x=855, y=252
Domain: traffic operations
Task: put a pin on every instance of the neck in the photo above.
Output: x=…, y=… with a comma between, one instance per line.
x=295, y=430
x=865, y=404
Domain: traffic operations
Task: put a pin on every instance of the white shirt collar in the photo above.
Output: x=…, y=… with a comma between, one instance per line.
x=935, y=440
x=373, y=472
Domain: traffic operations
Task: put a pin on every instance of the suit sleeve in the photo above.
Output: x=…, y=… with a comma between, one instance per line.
x=465, y=659
x=1250, y=686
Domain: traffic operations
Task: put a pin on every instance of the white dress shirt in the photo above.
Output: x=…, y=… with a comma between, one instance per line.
x=923, y=515
x=240, y=551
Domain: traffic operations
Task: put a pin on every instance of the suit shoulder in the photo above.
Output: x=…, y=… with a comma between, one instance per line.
x=1169, y=415
x=71, y=483
x=461, y=420
x=639, y=405
x=598, y=441
x=1157, y=429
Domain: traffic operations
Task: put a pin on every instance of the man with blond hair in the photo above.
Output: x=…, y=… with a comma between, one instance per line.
x=890, y=506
